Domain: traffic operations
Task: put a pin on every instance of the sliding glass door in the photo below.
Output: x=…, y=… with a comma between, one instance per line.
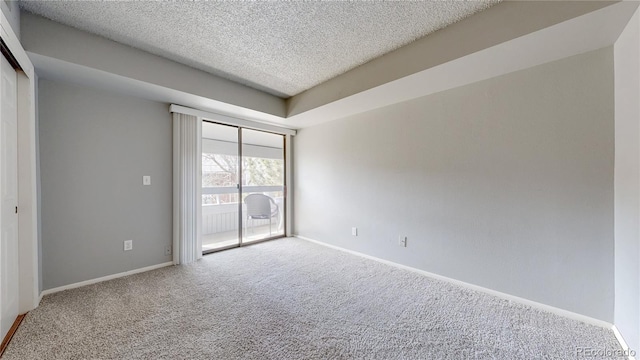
x=262, y=185
x=220, y=193
x=243, y=197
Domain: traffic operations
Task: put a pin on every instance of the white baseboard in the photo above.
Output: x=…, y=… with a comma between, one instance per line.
x=534, y=304
x=623, y=343
x=104, y=278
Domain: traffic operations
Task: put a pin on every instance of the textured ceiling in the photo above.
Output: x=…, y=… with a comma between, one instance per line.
x=282, y=47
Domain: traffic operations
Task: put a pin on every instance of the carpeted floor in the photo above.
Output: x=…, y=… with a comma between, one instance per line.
x=290, y=299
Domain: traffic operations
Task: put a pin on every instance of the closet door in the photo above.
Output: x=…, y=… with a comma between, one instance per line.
x=8, y=198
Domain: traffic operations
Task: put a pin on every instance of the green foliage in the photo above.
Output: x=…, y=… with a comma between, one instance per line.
x=222, y=170
x=261, y=171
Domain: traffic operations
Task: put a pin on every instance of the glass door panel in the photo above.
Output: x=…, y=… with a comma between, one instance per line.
x=263, y=195
x=220, y=194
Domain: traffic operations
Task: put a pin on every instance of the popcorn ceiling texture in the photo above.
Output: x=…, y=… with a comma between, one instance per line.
x=282, y=47
x=290, y=299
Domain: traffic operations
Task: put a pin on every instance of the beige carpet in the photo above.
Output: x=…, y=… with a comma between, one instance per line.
x=290, y=299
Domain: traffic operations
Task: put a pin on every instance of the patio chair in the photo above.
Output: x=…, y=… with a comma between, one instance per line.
x=260, y=207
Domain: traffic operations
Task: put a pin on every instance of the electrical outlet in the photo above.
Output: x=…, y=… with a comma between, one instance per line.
x=354, y=231
x=167, y=250
x=128, y=245
x=402, y=241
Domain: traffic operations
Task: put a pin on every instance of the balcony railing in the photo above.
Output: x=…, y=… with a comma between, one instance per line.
x=220, y=218
x=215, y=190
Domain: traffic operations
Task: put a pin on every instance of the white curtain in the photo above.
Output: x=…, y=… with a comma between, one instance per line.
x=187, y=163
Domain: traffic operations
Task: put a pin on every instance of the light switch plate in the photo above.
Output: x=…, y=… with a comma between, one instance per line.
x=128, y=245
x=146, y=180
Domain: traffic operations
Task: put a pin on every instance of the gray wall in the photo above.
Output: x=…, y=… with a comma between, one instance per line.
x=11, y=11
x=506, y=183
x=95, y=147
x=627, y=183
